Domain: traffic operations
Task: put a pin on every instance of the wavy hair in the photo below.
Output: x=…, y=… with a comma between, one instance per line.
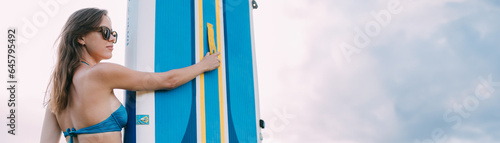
x=69, y=53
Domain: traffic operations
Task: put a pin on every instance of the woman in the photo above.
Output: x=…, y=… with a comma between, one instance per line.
x=82, y=104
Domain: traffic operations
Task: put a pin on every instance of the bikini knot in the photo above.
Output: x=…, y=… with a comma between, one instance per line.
x=71, y=132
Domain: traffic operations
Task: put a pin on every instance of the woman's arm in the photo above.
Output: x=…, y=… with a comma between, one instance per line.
x=51, y=133
x=117, y=76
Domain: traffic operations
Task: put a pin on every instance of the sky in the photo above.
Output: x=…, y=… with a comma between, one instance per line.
x=371, y=71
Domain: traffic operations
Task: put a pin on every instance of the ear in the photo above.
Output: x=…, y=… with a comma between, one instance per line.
x=81, y=40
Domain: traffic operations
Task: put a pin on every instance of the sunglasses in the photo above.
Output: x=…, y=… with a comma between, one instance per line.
x=106, y=33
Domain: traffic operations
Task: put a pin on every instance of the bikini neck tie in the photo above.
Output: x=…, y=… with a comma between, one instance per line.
x=85, y=63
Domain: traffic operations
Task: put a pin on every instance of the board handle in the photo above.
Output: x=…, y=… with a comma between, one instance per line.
x=211, y=39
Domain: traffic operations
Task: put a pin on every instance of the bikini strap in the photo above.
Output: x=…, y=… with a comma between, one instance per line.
x=71, y=133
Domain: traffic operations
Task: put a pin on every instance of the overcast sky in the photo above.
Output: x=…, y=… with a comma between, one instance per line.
x=370, y=71
x=401, y=87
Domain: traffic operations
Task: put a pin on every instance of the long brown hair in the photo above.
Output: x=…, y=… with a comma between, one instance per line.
x=69, y=53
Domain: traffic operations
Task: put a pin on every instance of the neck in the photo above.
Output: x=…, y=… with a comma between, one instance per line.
x=89, y=59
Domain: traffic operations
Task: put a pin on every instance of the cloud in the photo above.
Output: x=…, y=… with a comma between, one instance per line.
x=398, y=88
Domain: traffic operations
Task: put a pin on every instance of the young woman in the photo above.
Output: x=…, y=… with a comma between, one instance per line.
x=82, y=104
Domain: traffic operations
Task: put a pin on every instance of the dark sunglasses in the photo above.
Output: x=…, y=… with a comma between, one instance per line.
x=106, y=33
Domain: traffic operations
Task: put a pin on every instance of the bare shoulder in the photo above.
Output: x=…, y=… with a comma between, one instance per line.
x=102, y=72
x=106, y=69
x=115, y=75
x=106, y=66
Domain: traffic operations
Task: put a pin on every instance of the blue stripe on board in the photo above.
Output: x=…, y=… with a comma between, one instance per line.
x=212, y=117
x=191, y=132
x=239, y=73
x=233, y=138
x=175, y=121
x=130, y=132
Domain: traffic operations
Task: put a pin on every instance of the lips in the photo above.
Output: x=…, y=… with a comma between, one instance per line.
x=110, y=47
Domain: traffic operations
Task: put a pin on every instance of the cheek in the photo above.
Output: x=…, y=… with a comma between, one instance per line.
x=95, y=43
x=96, y=47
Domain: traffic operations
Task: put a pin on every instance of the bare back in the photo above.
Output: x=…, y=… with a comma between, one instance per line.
x=90, y=102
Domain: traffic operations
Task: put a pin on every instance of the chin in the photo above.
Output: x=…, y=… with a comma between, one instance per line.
x=107, y=57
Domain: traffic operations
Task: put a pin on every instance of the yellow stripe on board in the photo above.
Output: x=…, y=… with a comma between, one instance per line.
x=221, y=92
x=202, y=77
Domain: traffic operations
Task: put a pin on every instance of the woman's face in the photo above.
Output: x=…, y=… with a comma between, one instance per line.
x=96, y=45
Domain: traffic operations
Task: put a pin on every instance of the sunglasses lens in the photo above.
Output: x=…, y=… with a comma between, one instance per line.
x=115, y=35
x=106, y=33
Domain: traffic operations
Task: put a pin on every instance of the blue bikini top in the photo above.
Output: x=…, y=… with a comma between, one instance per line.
x=115, y=122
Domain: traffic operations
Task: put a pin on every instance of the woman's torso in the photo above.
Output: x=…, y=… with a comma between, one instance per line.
x=90, y=103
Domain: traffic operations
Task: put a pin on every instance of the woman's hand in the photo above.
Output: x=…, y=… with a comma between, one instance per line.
x=210, y=62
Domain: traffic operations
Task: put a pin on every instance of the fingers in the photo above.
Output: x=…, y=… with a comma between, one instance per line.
x=215, y=54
